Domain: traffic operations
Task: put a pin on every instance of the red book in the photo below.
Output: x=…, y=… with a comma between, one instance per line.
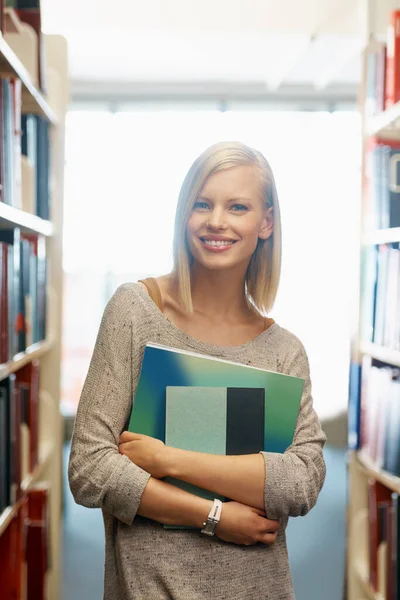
x=378, y=495
x=30, y=375
x=37, y=542
x=392, y=90
x=4, y=340
x=12, y=556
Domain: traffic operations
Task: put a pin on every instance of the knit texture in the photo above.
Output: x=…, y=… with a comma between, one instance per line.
x=144, y=561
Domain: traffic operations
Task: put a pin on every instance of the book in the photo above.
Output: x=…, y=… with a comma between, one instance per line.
x=392, y=90
x=379, y=500
x=164, y=367
x=213, y=420
x=37, y=541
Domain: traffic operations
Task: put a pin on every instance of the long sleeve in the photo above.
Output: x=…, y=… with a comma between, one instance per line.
x=99, y=476
x=294, y=479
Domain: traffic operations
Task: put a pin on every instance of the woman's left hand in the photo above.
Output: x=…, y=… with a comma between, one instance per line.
x=147, y=452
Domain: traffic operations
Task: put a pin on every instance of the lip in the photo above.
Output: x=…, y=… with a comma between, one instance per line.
x=216, y=238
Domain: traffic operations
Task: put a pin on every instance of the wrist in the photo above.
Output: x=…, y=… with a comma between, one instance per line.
x=203, y=512
x=210, y=525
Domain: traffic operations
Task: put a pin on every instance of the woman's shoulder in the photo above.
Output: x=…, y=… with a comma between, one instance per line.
x=287, y=345
x=129, y=298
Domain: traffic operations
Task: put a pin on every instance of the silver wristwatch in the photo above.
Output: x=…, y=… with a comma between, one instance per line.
x=213, y=518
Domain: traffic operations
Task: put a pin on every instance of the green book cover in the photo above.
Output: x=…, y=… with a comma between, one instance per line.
x=163, y=367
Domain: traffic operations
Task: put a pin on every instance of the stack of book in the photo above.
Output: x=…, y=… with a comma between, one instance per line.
x=204, y=404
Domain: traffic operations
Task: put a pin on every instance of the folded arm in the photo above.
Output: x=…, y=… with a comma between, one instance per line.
x=284, y=485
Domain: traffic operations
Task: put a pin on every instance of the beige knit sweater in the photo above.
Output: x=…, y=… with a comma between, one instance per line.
x=144, y=560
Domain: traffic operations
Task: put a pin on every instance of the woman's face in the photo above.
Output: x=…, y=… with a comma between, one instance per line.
x=228, y=219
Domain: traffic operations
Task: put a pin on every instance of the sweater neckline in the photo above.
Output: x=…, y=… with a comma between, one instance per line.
x=195, y=343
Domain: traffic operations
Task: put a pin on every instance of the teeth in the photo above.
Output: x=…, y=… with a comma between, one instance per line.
x=218, y=243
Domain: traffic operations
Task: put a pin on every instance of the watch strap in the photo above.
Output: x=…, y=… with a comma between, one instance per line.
x=213, y=518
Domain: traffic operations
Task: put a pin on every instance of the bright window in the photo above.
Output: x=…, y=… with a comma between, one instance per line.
x=123, y=174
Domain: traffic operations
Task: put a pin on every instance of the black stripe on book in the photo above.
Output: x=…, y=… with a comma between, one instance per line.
x=245, y=420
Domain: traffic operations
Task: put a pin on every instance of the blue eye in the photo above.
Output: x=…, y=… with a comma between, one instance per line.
x=239, y=207
x=200, y=205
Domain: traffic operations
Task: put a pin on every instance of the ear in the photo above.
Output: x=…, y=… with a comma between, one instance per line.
x=267, y=226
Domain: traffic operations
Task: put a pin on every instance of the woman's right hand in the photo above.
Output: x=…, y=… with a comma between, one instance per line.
x=245, y=525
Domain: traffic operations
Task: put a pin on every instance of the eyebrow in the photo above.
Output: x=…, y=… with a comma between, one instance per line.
x=240, y=199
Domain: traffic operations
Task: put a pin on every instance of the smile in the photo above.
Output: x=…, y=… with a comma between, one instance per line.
x=217, y=245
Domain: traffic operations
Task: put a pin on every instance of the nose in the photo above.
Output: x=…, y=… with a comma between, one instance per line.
x=216, y=219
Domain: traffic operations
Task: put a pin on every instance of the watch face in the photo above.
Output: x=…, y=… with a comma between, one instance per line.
x=209, y=528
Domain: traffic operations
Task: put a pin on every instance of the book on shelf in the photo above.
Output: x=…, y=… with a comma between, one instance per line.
x=23, y=291
x=25, y=548
x=383, y=540
x=354, y=406
x=380, y=415
x=164, y=367
x=375, y=78
x=37, y=541
x=382, y=183
x=28, y=383
x=35, y=148
x=19, y=441
x=12, y=555
x=392, y=87
x=380, y=295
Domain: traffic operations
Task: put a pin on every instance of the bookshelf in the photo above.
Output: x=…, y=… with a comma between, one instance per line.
x=40, y=355
x=373, y=510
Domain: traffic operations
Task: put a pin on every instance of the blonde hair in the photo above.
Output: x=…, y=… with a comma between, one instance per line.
x=263, y=273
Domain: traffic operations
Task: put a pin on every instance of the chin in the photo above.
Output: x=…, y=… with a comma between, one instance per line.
x=219, y=263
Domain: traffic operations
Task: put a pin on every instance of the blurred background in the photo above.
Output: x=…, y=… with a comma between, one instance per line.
x=155, y=83
x=151, y=85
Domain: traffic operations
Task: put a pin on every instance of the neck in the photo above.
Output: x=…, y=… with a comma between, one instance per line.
x=218, y=293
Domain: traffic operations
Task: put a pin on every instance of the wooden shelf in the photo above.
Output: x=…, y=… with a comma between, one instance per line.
x=387, y=123
x=386, y=355
x=6, y=517
x=32, y=100
x=365, y=464
x=11, y=216
x=367, y=587
x=45, y=454
x=20, y=360
x=382, y=236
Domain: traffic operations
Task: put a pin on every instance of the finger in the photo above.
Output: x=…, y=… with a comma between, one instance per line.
x=272, y=526
x=259, y=511
x=128, y=436
x=125, y=447
x=122, y=448
x=268, y=538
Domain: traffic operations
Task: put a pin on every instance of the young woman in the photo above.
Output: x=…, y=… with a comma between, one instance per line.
x=227, y=254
